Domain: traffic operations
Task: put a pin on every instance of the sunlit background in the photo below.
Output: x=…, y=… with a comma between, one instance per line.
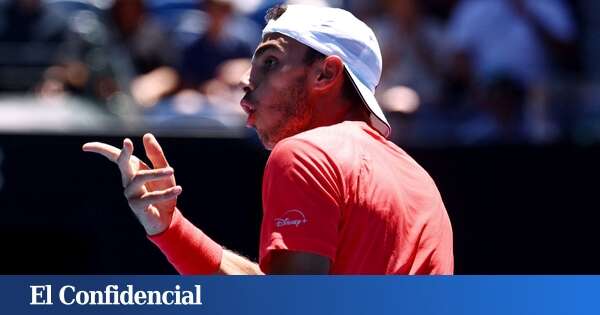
x=455, y=72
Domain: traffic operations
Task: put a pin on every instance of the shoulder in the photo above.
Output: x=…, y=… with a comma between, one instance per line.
x=331, y=148
x=302, y=149
x=331, y=142
x=311, y=162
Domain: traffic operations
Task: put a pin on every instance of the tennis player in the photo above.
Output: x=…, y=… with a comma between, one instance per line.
x=338, y=197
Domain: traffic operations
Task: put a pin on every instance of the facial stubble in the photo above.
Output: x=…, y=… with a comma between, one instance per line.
x=295, y=114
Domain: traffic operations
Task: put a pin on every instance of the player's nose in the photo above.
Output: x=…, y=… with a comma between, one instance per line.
x=244, y=83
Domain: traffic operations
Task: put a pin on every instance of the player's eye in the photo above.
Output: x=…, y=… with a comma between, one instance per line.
x=270, y=62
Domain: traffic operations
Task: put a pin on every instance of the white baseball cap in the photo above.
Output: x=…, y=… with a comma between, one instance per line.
x=332, y=31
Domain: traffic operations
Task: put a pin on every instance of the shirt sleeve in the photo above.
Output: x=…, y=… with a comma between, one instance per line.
x=302, y=201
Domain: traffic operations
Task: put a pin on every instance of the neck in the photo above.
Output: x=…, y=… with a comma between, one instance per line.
x=331, y=111
x=358, y=113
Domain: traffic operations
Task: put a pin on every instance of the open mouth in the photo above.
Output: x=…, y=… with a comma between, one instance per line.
x=249, y=109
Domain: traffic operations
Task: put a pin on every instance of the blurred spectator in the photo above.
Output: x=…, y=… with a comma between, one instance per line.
x=143, y=38
x=219, y=105
x=515, y=38
x=412, y=48
x=440, y=9
x=32, y=38
x=210, y=69
x=219, y=42
x=411, y=35
x=480, y=70
x=503, y=50
x=224, y=88
x=145, y=56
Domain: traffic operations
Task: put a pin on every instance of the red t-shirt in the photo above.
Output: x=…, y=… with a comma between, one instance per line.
x=345, y=192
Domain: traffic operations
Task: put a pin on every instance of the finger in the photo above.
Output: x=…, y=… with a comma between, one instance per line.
x=155, y=197
x=154, y=151
x=135, y=187
x=141, y=164
x=111, y=153
x=124, y=162
x=104, y=149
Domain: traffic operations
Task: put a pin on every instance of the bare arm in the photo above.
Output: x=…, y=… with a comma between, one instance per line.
x=234, y=264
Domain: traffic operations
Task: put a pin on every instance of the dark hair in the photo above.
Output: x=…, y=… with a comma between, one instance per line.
x=275, y=12
x=349, y=92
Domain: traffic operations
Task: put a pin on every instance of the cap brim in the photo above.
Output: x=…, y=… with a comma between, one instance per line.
x=378, y=120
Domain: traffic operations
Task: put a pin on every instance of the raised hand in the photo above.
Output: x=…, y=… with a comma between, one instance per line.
x=151, y=192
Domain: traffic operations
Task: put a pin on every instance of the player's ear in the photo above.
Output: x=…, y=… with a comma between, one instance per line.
x=330, y=73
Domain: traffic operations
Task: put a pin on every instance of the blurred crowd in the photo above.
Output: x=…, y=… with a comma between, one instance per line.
x=456, y=72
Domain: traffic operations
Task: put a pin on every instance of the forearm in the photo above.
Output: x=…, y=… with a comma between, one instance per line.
x=190, y=251
x=187, y=248
x=234, y=264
